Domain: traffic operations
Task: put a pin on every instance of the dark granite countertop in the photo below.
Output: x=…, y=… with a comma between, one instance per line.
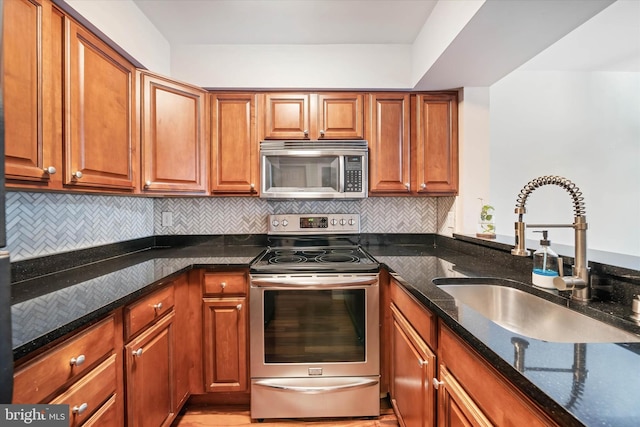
x=602, y=391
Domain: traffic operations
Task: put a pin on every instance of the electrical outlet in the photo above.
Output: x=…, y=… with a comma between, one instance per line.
x=167, y=219
x=451, y=220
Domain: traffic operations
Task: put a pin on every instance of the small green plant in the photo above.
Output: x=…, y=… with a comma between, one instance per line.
x=486, y=226
x=485, y=213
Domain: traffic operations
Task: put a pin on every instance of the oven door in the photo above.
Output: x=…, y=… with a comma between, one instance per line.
x=314, y=326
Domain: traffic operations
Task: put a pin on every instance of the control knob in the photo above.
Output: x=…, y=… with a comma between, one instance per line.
x=275, y=223
x=334, y=221
x=343, y=221
x=352, y=221
x=285, y=222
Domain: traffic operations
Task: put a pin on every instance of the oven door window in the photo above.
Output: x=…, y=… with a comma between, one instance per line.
x=302, y=173
x=314, y=326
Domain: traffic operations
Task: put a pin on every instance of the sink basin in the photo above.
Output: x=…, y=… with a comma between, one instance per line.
x=534, y=317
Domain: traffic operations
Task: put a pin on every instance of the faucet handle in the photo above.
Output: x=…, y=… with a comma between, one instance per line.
x=560, y=266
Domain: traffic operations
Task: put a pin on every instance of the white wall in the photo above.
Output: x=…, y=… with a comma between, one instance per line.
x=126, y=25
x=584, y=126
x=293, y=66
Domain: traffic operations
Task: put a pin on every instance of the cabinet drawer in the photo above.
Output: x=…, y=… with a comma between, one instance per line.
x=147, y=310
x=419, y=317
x=107, y=415
x=46, y=374
x=230, y=283
x=87, y=395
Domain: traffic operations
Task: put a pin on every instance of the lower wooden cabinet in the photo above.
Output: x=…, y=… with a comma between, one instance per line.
x=150, y=375
x=413, y=369
x=455, y=406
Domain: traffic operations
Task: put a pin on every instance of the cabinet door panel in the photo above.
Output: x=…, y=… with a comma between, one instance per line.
x=389, y=144
x=340, y=116
x=150, y=376
x=225, y=352
x=234, y=149
x=437, y=144
x=455, y=407
x=99, y=133
x=287, y=116
x=173, y=132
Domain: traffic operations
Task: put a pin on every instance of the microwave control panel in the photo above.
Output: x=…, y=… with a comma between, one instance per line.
x=353, y=174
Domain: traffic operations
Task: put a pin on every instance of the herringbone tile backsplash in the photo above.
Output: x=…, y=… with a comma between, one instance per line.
x=46, y=223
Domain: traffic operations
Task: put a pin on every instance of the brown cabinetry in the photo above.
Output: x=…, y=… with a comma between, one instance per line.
x=32, y=98
x=225, y=320
x=389, y=144
x=310, y=116
x=174, y=137
x=435, y=144
x=234, y=145
x=84, y=371
x=455, y=407
x=100, y=138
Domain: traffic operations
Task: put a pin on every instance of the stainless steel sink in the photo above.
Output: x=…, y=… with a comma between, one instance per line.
x=534, y=317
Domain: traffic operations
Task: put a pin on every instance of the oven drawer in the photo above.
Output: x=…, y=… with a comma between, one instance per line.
x=225, y=284
x=315, y=397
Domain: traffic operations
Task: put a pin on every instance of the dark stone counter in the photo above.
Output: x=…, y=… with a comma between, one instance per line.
x=53, y=296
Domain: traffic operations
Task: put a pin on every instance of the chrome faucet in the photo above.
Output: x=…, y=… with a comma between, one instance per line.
x=580, y=282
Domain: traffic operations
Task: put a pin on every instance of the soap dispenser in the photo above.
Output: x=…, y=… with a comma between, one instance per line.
x=546, y=264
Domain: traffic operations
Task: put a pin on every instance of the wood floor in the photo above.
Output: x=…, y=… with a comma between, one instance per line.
x=204, y=415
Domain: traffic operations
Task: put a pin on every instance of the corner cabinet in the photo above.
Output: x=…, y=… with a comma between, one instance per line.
x=174, y=136
x=435, y=144
x=235, y=165
x=100, y=140
x=32, y=46
x=389, y=144
x=225, y=319
x=313, y=116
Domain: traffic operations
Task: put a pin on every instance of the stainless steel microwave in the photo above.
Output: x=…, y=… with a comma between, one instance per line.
x=314, y=169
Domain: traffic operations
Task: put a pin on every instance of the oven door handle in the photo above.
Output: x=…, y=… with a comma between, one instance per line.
x=352, y=385
x=314, y=282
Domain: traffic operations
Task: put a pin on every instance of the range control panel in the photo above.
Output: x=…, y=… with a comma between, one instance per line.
x=314, y=224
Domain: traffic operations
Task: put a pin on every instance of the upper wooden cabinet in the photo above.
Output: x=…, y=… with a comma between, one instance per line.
x=435, y=144
x=100, y=138
x=32, y=46
x=389, y=144
x=314, y=116
x=234, y=145
x=174, y=143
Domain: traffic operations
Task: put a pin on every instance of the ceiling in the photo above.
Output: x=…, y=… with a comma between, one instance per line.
x=288, y=21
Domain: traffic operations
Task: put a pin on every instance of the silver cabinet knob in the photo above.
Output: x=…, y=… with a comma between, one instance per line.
x=147, y=184
x=422, y=363
x=80, y=409
x=239, y=307
x=321, y=132
x=252, y=185
x=306, y=132
x=77, y=174
x=223, y=285
x=406, y=184
x=157, y=306
x=77, y=361
x=423, y=185
x=50, y=170
x=437, y=384
x=137, y=353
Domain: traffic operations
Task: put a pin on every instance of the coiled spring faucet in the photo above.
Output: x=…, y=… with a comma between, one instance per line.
x=579, y=283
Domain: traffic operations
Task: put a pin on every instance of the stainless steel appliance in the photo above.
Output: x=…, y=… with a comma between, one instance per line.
x=314, y=318
x=6, y=353
x=313, y=169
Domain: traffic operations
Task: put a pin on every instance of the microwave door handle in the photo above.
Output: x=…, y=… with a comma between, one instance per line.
x=341, y=173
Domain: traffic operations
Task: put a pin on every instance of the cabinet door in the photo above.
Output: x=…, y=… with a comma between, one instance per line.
x=389, y=144
x=286, y=116
x=225, y=344
x=99, y=123
x=150, y=376
x=234, y=148
x=174, y=142
x=412, y=370
x=31, y=49
x=455, y=406
x=340, y=116
x=436, y=144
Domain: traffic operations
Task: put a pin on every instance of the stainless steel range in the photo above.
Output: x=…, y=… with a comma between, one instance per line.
x=314, y=317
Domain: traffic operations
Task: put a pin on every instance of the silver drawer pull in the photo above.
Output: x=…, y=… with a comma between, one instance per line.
x=437, y=384
x=423, y=363
x=157, y=306
x=50, y=170
x=137, y=353
x=223, y=285
x=80, y=409
x=77, y=361
x=239, y=307
x=77, y=175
